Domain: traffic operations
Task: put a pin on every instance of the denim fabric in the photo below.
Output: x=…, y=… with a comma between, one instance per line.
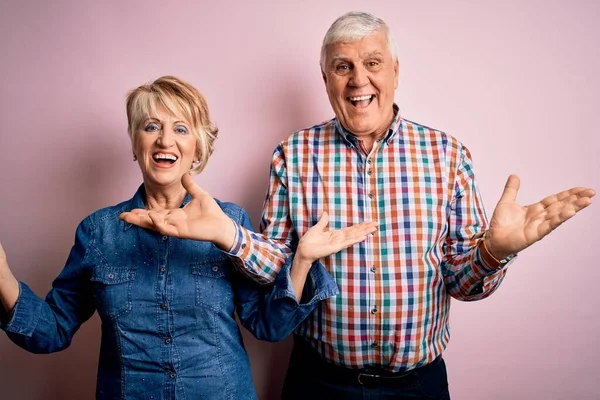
x=167, y=309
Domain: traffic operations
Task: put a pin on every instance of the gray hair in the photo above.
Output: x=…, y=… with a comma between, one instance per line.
x=356, y=25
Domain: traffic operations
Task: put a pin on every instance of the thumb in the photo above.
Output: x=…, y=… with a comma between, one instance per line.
x=511, y=189
x=192, y=187
x=2, y=253
x=323, y=221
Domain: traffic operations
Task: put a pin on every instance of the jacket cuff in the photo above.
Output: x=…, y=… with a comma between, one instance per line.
x=25, y=315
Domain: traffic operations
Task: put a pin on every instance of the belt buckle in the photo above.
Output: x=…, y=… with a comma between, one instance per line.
x=362, y=374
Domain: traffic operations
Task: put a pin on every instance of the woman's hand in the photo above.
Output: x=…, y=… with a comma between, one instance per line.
x=9, y=286
x=319, y=242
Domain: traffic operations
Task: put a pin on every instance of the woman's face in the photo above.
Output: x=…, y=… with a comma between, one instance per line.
x=165, y=149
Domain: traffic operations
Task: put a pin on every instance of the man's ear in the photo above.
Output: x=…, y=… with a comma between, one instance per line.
x=396, y=73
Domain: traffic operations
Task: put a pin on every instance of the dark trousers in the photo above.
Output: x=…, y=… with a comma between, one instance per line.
x=310, y=377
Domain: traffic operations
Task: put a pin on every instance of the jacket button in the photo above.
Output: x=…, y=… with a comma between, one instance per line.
x=163, y=306
x=167, y=341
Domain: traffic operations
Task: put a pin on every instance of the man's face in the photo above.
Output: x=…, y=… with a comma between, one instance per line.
x=360, y=78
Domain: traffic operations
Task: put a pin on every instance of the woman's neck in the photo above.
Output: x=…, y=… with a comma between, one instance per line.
x=158, y=199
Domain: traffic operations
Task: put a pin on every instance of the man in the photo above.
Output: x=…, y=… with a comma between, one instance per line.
x=383, y=334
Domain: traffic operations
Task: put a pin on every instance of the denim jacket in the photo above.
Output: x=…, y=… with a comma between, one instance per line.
x=167, y=309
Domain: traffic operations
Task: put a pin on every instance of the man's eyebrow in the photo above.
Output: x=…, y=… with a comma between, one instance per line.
x=375, y=53
x=337, y=57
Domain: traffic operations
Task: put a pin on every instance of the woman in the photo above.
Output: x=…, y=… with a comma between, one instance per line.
x=167, y=304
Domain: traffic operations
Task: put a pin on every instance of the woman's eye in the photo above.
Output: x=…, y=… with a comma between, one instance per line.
x=152, y=127
x=182, y=130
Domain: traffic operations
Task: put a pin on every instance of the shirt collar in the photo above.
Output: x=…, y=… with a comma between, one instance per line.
x=138, y=201
x=350, y=139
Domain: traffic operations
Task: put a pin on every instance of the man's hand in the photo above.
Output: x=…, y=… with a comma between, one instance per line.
x=200, y=219
x=514, y=228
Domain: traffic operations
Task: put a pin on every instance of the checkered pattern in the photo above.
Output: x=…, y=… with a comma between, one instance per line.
x=395, y=287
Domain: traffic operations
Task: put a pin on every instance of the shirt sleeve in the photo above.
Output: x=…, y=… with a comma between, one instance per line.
x=261, y=256
x=48, y=326
x=466, y=275
x=272, y=313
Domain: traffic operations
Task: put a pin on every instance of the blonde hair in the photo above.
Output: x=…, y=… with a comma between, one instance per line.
x=180, y=99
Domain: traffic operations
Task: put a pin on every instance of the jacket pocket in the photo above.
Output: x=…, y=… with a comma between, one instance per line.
x=213, y=286
x=113, y=290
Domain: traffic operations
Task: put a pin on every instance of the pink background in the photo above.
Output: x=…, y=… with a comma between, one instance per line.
x=516, y=81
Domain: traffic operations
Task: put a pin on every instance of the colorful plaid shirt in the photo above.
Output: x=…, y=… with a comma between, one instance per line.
x=395, y=287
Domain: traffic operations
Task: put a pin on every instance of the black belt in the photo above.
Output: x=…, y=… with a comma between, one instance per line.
x=314, y=363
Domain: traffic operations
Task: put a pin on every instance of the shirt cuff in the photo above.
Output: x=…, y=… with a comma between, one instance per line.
x=485, y=268
x=25, y=315
x=319, y=285
x=242, y=243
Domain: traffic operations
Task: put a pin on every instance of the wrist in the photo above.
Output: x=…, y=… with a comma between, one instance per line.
x=300, y=261
x=226, y=231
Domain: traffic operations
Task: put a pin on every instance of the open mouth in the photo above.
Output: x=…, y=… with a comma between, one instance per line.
x=164, y=158
x=361, y=101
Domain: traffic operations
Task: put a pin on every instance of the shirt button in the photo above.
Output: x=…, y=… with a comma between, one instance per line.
x=373, y=268
x=243, y=245
x=374, y=344
x=163, y=306
x=374, y=310
x=369, y=172
x=164, y=238
x=370, y=195
x=167, y=341
x=369, y=161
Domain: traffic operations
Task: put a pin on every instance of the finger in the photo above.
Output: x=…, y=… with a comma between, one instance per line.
x=192, y=187
x=579, y=192
x=161, y=224
x=138, y=218
x=511, y=189
x=361, y=229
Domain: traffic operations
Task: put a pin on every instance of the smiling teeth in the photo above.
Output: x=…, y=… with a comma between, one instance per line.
x=165, y=157
x=359, y=98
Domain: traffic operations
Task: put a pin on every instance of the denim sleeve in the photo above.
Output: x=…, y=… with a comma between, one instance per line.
x=48, y=326
x=272, y=312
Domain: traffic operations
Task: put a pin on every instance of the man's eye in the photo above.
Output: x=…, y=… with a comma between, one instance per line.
x=152, y=127
x=182, y=130
x=342, y=67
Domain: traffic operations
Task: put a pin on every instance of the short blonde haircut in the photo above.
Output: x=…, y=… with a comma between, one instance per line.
x=180, y=99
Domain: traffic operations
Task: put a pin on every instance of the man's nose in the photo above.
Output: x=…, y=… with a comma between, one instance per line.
x=360, y=77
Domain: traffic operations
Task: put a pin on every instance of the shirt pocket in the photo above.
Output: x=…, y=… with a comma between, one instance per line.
x=113, y=290
x=213, y=285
